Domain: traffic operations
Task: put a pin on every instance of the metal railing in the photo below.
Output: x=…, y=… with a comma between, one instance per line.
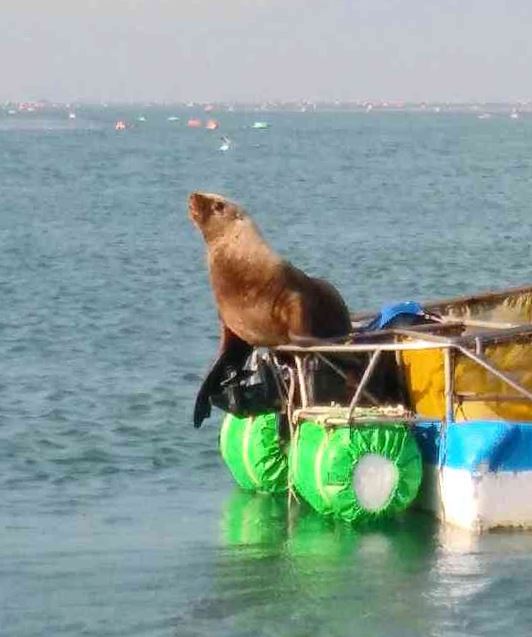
x=418, y=341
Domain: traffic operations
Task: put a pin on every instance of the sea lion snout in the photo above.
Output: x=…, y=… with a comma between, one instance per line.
x=212, y=213
x=198, y=207
x=202, y=205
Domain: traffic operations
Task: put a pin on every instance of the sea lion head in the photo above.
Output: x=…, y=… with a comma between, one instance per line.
x=213, y=215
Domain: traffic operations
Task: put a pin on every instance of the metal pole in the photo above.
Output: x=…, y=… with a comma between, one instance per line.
x=332, y=365
x=480, y=360
x=302, y=383
x=386, y=347
x=448, y=367
x=363, y=381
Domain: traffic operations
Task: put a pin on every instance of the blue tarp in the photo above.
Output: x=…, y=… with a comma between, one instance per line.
x=390, y=313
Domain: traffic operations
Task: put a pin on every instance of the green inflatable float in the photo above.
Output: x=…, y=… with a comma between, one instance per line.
x=252, y=449
x=355, y=473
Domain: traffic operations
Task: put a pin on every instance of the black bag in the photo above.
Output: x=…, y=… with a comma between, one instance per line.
x=250, y=391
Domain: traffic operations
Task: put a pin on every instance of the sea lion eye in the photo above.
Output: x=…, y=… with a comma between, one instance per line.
x=219, y=206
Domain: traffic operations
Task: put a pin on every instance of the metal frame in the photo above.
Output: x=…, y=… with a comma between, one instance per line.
x=420, y=340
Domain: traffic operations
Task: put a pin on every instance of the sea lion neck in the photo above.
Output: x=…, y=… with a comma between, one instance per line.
x=240, y=249
x=241, y=233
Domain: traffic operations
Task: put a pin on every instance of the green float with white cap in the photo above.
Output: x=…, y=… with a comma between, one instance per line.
x=355, y=473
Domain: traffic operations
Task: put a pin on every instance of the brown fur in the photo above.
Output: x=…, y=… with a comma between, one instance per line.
x=262, y=299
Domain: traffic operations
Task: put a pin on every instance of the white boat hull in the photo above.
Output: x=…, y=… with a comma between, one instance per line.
x=479, y=482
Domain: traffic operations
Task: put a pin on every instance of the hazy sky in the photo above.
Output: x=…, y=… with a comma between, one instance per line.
x=266, y=49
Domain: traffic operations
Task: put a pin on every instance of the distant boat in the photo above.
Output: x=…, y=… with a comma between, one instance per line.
x=226, y=144
x=72, y=116
x=173, y=118
x=141, y=118
x=194, y=123
x=484, y=116
x=514, y=114
x=260, y=125
x=211, y=124
x=120, y=125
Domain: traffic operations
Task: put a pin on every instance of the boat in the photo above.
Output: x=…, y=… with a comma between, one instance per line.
x=260, y=125
x=72, y=115
x=194, y=123
x=173, y=118
x=212, y=124
x=120, y=125
x=514, y=114
x=423, y=405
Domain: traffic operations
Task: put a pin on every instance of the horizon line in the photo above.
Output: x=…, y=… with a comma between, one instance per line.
x=397, y=103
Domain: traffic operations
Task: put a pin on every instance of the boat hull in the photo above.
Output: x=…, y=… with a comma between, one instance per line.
x=477, y=475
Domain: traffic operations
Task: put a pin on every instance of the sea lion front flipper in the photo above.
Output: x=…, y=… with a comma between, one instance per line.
x=202, y=406
x=233, y=351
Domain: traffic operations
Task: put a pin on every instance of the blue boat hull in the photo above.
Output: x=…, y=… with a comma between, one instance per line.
x=477, y=474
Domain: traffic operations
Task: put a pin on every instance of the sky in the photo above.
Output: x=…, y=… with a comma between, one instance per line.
x=259, y=50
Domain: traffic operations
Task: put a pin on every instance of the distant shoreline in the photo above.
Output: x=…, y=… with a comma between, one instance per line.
x=367, y=106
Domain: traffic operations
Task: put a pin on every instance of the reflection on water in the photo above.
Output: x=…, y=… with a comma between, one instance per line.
x=293, y=573
x=286, y=572
x=254, y=519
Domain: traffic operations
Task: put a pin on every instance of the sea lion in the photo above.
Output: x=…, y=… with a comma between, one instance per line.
x=262, y=299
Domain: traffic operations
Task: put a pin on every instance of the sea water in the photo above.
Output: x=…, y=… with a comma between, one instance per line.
x=116, y=516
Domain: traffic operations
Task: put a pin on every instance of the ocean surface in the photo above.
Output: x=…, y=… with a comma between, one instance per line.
x=117, y=518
